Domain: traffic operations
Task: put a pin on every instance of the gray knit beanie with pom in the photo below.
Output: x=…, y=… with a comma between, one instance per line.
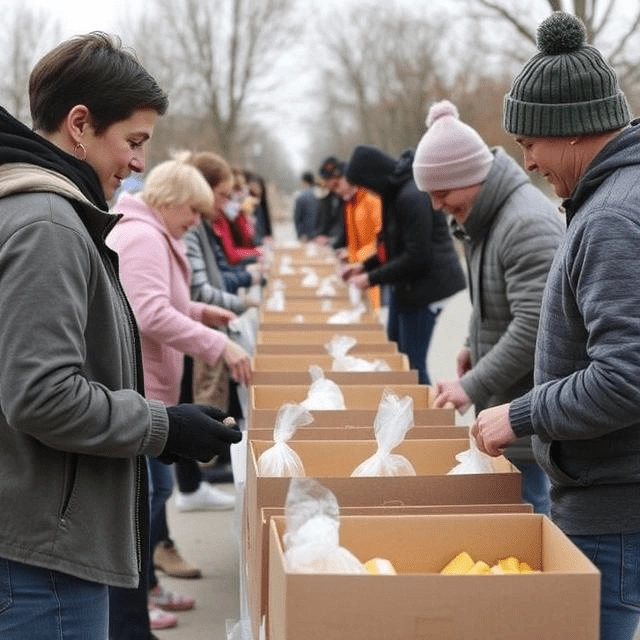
x=567, y=89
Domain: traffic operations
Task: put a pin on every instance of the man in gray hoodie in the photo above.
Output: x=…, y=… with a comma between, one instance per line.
x=571, y=120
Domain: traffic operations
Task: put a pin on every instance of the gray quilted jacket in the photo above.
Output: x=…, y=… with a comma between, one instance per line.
x=510, y=238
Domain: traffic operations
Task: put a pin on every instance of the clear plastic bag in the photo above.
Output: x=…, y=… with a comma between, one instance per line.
x=281, y=460
x=326, y=287
x=355, y=295
x=347, y=316
x=310, y=278
x=275, y=302
x=472, y=460
x=323, y=394
x=286, y=268
x=312, y=539
x=337, y=348
x=393, y=419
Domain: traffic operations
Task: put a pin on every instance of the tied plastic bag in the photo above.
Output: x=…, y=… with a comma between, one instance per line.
x=326, y=288
x=286, y=268
x=472, y=460
x=243, y=330
x=326, y=305
x=337, y=348
x=347, y=316
x=312, y=537
x=323, y=394
x=355, y=295
x=275, y=302
x=281, y=460
x=311, y=278
x=393, y=419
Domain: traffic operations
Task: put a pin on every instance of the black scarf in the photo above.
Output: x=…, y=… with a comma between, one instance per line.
x=19, y=144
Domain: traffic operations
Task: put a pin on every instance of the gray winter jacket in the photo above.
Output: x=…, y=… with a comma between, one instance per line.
x=585, y=407
x=510, y=238
x=73, y=427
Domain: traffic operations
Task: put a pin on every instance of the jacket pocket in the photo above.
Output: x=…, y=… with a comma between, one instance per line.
x=6, y=596
x=70, y=472
x=554, y=463
x=630, y=580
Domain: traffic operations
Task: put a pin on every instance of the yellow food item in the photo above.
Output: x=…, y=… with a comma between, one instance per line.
x=380, y=567
x=525, y=568
x=460, y=565
x=509, y=565
x=479, y=568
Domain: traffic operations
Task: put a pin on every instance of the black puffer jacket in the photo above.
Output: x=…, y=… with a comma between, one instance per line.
x=422, y=264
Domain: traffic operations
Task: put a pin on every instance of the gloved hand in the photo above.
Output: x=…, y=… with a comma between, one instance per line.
x=196, y=432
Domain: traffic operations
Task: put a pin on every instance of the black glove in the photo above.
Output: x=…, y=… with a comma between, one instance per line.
x=196, y=432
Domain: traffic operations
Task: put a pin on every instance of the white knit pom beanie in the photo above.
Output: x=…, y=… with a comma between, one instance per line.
x=451, y=154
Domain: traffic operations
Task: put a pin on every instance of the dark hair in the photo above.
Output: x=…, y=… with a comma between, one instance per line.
x=212, y=166
x=307, y=177
x=96, y=71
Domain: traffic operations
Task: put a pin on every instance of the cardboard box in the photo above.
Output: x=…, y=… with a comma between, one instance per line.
x=321, y=337
x=332, y=463
x=311, y=305
x=311, y=317
x=340, y=295
x=369, y=350
x=560, y=603
x=363, y=433
x=302, y=362
x=259, y=592
x=304, y=327
x=266, y=418
x=355, y=396
x=284, y=378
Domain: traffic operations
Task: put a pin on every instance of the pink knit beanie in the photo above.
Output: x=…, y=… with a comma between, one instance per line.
x=451, y=154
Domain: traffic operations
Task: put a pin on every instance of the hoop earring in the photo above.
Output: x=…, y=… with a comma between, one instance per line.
x=80, y=152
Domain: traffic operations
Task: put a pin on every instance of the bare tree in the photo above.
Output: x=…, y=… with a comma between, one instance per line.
x=25, y=36
x=217, y=59
x=612, y=26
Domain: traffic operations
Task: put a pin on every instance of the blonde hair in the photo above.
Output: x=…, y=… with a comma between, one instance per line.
x=174, y=182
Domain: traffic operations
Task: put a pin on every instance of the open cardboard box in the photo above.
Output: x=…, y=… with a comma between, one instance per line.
x=293, y=336
x=340, y=296
x=332, y=462
x=263, y=396
x=303, y=327
x=316, y=317
x=562, y=602
x=259, y=592
x=286, y=378
x=313, y=305
x=349, y=432
x=302, y=362
x=266, y=418
x=368, y=350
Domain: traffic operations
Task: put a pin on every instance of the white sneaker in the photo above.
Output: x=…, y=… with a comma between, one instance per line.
x=205, y=498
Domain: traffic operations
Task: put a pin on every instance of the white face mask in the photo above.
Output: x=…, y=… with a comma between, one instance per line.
x=231, y=210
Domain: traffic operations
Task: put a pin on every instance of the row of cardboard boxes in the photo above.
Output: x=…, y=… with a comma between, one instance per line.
x=417, y=522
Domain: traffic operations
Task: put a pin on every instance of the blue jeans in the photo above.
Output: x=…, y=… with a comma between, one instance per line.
x=617, y=556
x=535, y=486
x=41, y=604
x=160, y=489
x=412, y=330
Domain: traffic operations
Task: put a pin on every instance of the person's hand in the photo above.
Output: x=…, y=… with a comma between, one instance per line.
x=451, y=391
x=214, y=316
x=238, y=361
x=348, y=270
x=360, y=281
x=198, y=432
x=323, y=240
x=342, y=253
x=492, y=430
x=463, y=361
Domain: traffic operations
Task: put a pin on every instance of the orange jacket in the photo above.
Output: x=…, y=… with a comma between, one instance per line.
x=363, y=220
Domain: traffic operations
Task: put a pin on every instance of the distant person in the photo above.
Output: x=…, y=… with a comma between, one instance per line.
x=414, y=255
x=571, y=119
x=363, y=222
x=75, y=426
x=305, y=208
x=330, y=229
x=510, y=232
x=263, y=231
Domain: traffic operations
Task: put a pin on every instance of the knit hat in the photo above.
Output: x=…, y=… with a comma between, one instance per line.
x=331, y=167
x=567, y=89
x=451, y=154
